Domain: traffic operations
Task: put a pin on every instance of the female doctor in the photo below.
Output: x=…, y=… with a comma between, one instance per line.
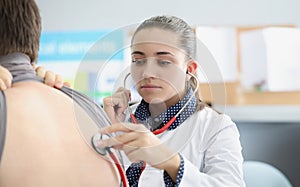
x=200, y=147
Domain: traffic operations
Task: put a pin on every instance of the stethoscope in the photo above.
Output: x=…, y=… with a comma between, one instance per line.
x=104, y=151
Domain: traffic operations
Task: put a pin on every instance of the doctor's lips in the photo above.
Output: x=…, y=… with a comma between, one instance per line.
x=149, y=86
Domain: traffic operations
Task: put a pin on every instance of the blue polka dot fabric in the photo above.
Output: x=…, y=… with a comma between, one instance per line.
x=133, y=173
x=143, y=115
x=168, y=180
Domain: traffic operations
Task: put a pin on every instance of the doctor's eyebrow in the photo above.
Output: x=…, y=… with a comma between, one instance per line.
x=138, y=53
x=157, y=53
x=164, y=53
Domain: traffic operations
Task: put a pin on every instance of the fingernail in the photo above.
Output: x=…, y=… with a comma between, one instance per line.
x=59, y=84
x=2, y=87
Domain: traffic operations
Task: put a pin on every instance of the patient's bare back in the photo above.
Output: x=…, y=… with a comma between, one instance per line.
x=48, y=142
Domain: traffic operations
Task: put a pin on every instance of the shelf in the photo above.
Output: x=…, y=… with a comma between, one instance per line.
x=262, y=113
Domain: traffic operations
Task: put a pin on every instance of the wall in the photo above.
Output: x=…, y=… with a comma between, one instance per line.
x=97, y=14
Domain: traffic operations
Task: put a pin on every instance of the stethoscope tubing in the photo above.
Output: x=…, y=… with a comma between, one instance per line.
x=171, y=121
x=103, y=151
x=134, y=120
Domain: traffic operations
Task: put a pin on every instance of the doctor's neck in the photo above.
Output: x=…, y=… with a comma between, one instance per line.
x=157, y=106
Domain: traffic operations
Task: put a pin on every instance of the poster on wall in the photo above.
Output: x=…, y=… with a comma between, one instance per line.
x=90, y=60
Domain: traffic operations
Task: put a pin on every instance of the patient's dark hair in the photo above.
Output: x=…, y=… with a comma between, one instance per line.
x=20, y=27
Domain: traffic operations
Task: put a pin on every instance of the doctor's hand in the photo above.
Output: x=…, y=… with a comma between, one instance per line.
x=116, y=105
x=5, y=78
x=140, y=144
x=50, y=78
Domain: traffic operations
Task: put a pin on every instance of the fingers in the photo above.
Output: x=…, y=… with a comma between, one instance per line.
x=138, y=143
x=58, y=81
x=50, y=78
x=115, y=109
x=40, y=71
x=128, y=142
x=5, y=78
x=119, y=141
x=125, y=91
x=67, y=84
x=115, y=105
x=123, y=127
x=133, y=136
x=121, y=97
x=2, y=85
x=5, y=82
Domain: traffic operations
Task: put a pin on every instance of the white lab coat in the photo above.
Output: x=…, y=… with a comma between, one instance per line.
x=209, y=143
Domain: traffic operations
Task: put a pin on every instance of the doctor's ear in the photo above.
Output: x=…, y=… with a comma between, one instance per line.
x=192, y=67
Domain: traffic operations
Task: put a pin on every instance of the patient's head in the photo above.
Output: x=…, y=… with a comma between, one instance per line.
x=20, y=27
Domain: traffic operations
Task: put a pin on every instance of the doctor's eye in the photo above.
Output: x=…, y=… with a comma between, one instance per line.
x=139, y=61
x=163, y=62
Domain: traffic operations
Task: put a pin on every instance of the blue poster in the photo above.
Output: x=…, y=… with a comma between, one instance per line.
x=81, y=45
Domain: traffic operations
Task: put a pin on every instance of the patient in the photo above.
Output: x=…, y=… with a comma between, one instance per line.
x=44, y=135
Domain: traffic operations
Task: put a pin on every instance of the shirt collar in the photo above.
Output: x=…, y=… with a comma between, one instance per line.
x=143, y=114
x=18, y=64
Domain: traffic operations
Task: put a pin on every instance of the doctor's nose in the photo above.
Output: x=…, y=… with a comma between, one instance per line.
x=149, y=71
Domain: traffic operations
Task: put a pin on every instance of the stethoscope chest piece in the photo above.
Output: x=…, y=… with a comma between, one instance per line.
x=95, y=139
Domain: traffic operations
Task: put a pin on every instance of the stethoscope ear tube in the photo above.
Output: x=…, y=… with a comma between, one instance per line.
x=134, y=120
